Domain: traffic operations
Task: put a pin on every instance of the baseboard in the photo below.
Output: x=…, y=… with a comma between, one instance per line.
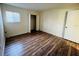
x=62, y=38
x=17, y=35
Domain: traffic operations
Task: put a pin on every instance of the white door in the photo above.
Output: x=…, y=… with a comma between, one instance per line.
x=2, y=41
x=72, y=26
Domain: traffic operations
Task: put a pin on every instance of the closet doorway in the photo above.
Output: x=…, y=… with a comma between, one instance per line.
x=33, y=23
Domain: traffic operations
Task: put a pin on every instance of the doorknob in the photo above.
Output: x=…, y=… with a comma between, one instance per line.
x=5, y=32
x=65, y=26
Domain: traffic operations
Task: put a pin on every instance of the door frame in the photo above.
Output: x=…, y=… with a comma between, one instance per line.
x=65, y=20
x=37, y=22
x=3, y=34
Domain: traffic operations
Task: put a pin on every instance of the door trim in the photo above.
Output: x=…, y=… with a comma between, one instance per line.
x=37, y=22
x=65, y=20
x=3, y=34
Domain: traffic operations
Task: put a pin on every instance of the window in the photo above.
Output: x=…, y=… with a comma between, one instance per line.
x=12, y=16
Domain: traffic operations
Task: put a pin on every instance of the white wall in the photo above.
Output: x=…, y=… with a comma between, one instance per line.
x=52, y=21
x=13, y=29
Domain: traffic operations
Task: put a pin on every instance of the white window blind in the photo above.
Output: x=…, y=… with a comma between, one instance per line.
x=12, y=16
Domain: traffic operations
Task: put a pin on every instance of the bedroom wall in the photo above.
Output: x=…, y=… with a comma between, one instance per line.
x=22, y=27
x=52, y=20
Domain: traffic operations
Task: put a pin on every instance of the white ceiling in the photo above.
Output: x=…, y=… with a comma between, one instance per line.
x=43, y=6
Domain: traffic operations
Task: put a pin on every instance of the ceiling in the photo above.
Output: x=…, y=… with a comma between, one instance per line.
x=44, y=6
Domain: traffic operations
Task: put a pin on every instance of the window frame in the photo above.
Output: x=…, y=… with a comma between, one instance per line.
x=14, y=13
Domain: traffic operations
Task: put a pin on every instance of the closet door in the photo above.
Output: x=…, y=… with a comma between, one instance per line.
x=72, y=26
x=2, y=41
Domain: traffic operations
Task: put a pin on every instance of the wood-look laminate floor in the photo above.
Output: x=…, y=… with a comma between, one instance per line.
x=40, y=44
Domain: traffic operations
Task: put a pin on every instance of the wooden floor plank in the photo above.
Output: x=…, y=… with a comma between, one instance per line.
x=40, y=44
